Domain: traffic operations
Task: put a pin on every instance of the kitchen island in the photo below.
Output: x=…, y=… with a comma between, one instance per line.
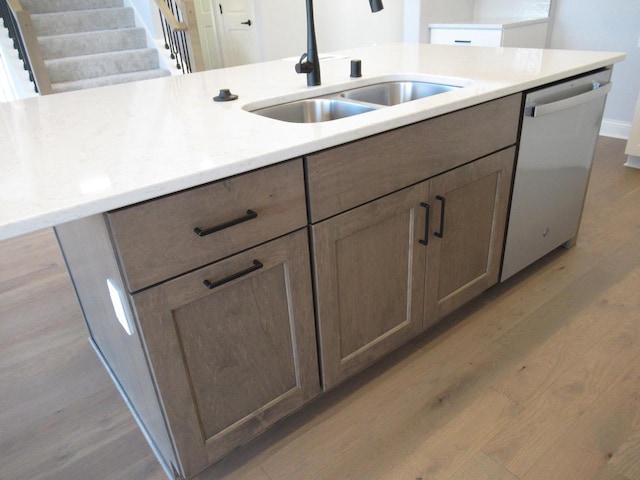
x=365, y=186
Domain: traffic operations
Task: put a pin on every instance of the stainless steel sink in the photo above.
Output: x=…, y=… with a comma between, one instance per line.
x=394, y=93
x=355, y=101
x=313, y=110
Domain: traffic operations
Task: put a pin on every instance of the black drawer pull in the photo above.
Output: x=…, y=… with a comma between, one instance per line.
x=425, y=242
x=462, y=41
x=208, y=231
x=256, y=266
x=441, y=232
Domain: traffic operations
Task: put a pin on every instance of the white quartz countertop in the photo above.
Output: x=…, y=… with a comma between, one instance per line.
x=492, y=23
x=71, y=155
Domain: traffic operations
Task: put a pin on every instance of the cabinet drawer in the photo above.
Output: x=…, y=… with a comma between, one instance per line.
x=353, y=174
x=156, y=240
x=466, y=36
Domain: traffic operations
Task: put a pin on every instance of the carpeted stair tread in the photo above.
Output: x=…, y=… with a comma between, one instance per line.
x=90, y=43
x=46, y=6
x=77, y=21
x=108, y=80
x=87, y=43
x=101, y=64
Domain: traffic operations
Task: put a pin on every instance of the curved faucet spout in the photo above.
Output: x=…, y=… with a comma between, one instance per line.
x=309, y=62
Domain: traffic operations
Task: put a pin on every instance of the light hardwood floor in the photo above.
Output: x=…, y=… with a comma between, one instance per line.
x=537, y=379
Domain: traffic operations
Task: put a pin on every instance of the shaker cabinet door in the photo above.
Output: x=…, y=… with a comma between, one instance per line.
x=469, y=210
x=232, y=347
x=369, y=267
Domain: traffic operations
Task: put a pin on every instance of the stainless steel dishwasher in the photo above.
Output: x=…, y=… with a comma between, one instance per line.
x=559, y=132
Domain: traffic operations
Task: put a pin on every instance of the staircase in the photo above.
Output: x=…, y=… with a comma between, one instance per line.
x=91, y=43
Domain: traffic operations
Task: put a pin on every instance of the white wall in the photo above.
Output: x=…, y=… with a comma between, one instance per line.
x=339, y=24
x=281, y=28
x=605, y=25
x=148, y=12
x=347, y=24
x=510, y=8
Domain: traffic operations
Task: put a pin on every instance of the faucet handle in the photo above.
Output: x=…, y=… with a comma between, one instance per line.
x=303, y=65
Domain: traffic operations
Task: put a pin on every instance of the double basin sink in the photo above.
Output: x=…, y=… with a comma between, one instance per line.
x=353, y=102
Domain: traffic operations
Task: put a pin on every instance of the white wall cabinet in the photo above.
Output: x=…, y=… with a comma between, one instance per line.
x=532, y=34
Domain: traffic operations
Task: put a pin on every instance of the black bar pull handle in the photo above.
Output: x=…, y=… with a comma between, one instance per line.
x=443, y=201
x=208, y=231
x=425, y=242
x=248, y=23
x=256, y=266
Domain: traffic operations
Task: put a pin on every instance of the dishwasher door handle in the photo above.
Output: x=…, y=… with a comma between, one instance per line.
x=553, y=107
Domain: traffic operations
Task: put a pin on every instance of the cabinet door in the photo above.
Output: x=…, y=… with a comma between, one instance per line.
x=232, y=359
x=468, y=222
x=369, y=267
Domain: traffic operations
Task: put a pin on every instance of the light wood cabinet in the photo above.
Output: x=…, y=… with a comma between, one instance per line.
x=233, y=359
x=349, y=175
x=519, y=34
x=157, y=240
x=213, y=338
x=395, y=266
x=469, y=211
x=370, y=281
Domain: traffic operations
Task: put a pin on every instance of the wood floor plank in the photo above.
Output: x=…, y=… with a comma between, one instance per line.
x=558, y=334
x=371, y=438
x=482, y=467
x=610, y=473
x=520, y=444
x=60, y=415
x=595, y=438
x=626, y=460
x=445, y=450
x=43, y=256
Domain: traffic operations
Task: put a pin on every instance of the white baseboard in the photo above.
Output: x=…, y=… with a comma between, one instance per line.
x=633, y=162
x=615, y=129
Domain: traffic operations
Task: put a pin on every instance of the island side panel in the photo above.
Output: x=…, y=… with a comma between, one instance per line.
x=91, y=262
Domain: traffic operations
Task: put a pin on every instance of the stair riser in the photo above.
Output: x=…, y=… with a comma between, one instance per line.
x=47, y=6
x=91, y=66
x=87, y=43
x=83, y=21
x=111, y=80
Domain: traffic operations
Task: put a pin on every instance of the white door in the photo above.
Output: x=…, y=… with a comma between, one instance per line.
x=239, y=42
x=211, y=50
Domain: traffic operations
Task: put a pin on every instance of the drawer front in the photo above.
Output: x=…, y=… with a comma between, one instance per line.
x=156, y=240
x=350, y=175
x=466, y=36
